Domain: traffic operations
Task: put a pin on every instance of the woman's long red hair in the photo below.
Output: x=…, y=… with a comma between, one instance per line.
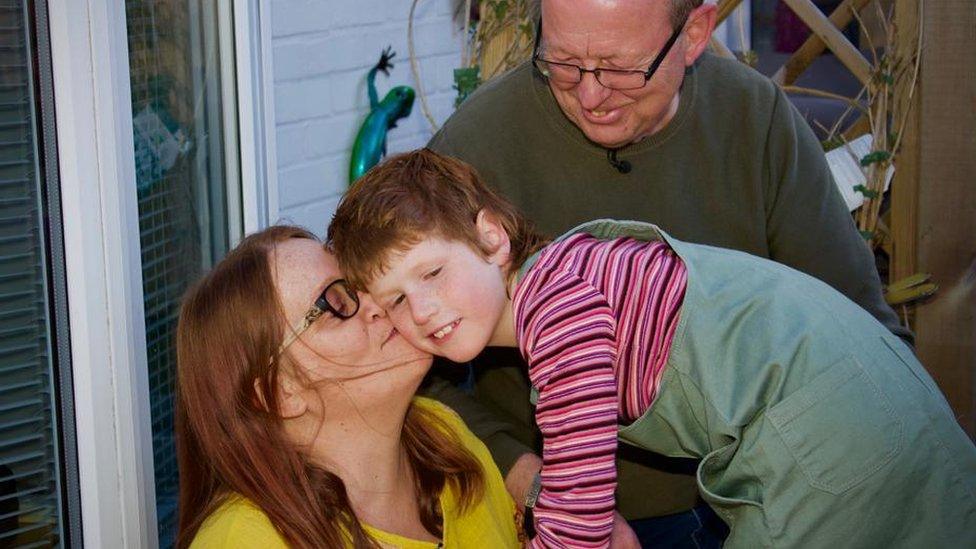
x=228, y=443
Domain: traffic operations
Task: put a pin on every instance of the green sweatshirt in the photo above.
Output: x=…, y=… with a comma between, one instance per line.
x=736, y=167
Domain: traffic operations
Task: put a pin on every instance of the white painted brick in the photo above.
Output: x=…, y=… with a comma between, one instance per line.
x=309, y=182
x=343, y=51
x=290, y=144
x=314, y=216
x=351, y=13
x=408, y=143
x=337, y=175
x=289, y=17
x=290, y=61
x=302, y=99
x=333, y=135
x=349, y=92
x=435, y=37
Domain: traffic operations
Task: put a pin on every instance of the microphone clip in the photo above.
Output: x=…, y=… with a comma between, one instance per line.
x=622, y=166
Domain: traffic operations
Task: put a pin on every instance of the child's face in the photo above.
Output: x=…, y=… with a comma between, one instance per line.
x=445, y=297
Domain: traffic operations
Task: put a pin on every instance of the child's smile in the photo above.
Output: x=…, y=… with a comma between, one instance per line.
x=446, y=330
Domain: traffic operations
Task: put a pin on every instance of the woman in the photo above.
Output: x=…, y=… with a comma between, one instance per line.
x=296, y=420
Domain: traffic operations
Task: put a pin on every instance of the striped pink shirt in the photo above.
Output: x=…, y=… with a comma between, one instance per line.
x=594, y=320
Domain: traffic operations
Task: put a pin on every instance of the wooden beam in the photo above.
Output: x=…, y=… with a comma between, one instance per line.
x=724, y=9
x=814, y=46
x=905, y=186
x=835, y=40
x=946, y=233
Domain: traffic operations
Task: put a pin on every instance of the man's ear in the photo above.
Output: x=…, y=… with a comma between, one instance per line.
x=291, y=400
x=698, y=31
x=494, y=237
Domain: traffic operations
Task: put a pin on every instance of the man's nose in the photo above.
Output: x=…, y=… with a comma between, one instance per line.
x=590, y=92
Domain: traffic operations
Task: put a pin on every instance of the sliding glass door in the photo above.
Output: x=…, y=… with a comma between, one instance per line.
x=182, y=146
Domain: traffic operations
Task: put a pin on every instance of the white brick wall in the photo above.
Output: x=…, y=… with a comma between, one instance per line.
x=322, y=50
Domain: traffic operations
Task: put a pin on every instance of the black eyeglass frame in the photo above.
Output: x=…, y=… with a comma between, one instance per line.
x=319, y=308
x=655, y=64
x=323, y=305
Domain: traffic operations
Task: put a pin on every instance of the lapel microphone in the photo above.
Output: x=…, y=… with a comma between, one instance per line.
x=622, y=166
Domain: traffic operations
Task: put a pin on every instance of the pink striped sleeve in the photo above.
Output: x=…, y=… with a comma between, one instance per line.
x=567, y=334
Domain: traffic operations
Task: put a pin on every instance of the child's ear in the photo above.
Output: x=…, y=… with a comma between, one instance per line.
x=291, y=402
x=494, y=237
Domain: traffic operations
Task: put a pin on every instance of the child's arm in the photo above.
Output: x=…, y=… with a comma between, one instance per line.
x=568, y=332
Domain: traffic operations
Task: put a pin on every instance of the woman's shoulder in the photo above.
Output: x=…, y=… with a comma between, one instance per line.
x=453, y=421
x=237, y=522
x=439, y=409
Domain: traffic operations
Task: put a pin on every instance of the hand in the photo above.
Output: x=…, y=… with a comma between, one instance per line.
x=622, y=536
x=520, y=476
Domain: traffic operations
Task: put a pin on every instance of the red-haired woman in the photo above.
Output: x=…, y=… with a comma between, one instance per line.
x=297, y=422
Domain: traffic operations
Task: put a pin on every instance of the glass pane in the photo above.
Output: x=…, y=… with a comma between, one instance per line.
x=174, y=61
x=30, y=479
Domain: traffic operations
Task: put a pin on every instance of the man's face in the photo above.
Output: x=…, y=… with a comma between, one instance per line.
x=613, y=34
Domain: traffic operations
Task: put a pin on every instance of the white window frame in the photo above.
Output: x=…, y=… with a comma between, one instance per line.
x=90, y=66
x=256, y=123
x=93, y=116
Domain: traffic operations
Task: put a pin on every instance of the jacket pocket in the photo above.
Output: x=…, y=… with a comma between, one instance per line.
x=840, y=427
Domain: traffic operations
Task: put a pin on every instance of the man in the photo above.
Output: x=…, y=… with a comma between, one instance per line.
x=622, y=114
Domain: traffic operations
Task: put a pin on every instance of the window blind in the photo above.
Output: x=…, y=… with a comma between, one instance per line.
x=30, y=486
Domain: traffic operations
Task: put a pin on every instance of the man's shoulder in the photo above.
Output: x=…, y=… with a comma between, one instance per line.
x=731, y=80
x=503, y=100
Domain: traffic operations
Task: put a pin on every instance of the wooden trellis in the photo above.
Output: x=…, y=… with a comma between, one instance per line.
x=826, y=33
x=886, y=84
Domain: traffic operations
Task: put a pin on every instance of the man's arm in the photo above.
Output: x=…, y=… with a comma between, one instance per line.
x=808, y=226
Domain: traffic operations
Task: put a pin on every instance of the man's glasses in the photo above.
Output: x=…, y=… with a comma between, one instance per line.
x=614, y=79
x=337, y=298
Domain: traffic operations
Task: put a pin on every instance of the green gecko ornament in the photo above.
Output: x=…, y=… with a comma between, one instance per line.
x=370, y=144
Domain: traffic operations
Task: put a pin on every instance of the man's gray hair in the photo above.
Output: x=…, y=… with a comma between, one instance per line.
x=680, y=10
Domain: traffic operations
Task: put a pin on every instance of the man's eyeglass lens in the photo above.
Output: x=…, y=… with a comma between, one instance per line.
x=565, y=73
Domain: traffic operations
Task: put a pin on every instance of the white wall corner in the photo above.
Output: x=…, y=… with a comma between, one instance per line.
x=256, y=113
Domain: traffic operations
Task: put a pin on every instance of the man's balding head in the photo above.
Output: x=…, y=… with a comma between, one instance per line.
x=622, y=35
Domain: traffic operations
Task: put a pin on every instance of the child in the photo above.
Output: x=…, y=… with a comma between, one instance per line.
x=814, y=425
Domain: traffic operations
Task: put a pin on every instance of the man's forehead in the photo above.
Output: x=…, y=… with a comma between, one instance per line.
x=603, y=29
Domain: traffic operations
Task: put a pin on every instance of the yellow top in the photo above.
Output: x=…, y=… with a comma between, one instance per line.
x=238, y=523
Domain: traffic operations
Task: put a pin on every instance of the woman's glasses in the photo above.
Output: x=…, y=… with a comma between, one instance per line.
x=337, y=298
